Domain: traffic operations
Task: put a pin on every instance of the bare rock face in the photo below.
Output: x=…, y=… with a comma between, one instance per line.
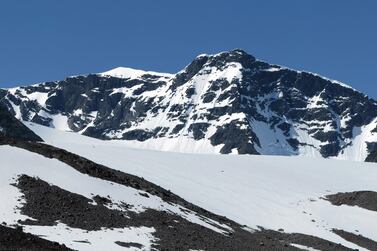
x=372, y=157
x=10, y=127
x=363, y=199
x=16, y=239
x=228, y=102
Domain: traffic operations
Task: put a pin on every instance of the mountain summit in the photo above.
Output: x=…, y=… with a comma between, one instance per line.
x=224, y=103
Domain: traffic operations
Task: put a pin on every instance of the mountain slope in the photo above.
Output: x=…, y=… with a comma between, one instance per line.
x=224, y=103
x=59, y=196
x=257, y=191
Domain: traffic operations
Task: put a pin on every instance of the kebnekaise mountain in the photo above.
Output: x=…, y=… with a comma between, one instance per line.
x=224, y=103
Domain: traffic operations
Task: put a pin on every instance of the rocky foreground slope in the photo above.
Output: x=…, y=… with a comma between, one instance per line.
x=56, y=200
x=224, y=103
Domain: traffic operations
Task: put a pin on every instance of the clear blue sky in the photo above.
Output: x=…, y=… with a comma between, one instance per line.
x=49, y=39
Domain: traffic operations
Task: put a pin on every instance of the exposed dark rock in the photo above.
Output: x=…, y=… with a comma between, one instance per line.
x=357, y=239
x=129, y=244
x=285, y=127
x=236, y=55
x=363, y=199
x=198, y=130
x=189, y=72
x=305, y=240
x=372, y=149
x=190, y=92
x=102, y=200
x=16, y=240
x=208, y=97
x=48, y=204
x=146, y=87
x=329, y=150
x=372, y=146
x=233, y=137
x=137, y=134
x=372, y=157
x=41, y=120
x=12, y=128
x=294, y=143
x=177, y=128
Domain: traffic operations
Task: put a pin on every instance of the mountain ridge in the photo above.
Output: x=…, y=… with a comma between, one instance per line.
x=228, y=102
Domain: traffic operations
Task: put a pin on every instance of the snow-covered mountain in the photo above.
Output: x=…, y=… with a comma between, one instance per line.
x=63, y=190
x=224, y=103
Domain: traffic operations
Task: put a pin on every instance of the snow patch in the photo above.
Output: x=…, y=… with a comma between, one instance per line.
x=124, y=72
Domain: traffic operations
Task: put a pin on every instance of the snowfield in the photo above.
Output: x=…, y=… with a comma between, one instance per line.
x=258, y=191
x=16, y=162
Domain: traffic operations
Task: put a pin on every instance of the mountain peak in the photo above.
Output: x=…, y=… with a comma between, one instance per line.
x=225, y=103
x=236, y=55
x=239, y=51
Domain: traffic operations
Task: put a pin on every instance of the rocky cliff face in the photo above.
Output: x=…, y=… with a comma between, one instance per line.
x=12, y=128
x=225, y=103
